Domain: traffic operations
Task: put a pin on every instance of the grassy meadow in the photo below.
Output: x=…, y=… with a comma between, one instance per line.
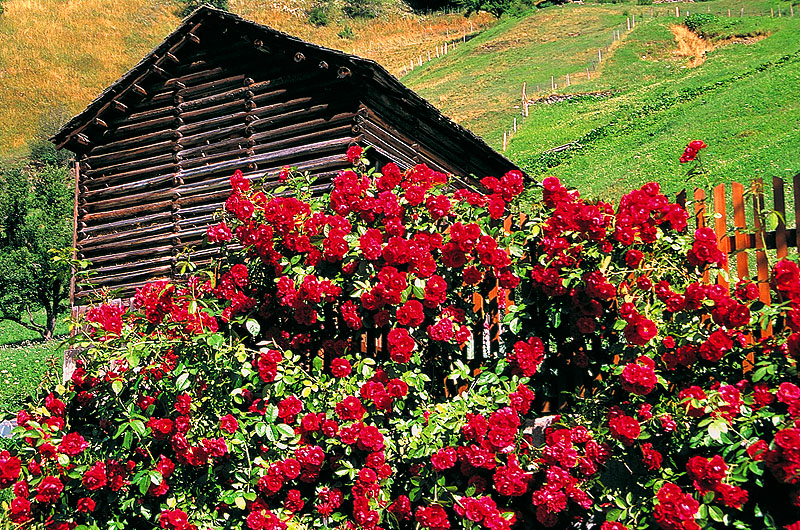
x=25, y=360
x=742, y=100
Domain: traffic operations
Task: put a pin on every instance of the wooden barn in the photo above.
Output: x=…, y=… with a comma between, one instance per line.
x=155, y=150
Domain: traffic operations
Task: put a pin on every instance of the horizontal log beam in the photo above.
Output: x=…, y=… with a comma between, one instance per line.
x=126, y=188
x=267, y=158
x=132, y=254
x=145, y=151
x=94, y=242
x=86, y=230
x=125, y=213
x=137, y=173
x=136, y=163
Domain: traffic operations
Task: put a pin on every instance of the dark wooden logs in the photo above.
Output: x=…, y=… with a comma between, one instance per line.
x=84, y=230
x=113, y=146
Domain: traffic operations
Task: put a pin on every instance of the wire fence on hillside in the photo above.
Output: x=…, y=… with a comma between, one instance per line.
x=542, y=90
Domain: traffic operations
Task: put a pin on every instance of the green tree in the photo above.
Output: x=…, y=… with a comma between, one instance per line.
x=35, y=217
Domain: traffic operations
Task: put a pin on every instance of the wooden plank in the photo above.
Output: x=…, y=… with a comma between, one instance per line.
x=741, y=239
x=77, y=171
x=86, y=230
x=721, y=229
x=98, y=161
x=132, y=254
x=137, y=163
x=126, y=213
x=268, y=158
x=700, y=207
x=779, y=203
x=680, y=198
x=92, y=242
x=796, y=193
x=762, y=267
x=146, y=140
x=700, y=221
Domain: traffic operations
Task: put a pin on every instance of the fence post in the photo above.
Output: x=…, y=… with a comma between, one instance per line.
x=700, y=219
x=721, y=229
x=677, y=12
x=779, y=203
x=762, y=268
x=796, y=196
x=741, y=239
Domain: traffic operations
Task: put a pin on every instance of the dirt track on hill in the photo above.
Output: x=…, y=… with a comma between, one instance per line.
x=691, y=45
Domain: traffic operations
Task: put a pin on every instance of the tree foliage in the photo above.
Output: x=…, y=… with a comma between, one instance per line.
x=35, y=217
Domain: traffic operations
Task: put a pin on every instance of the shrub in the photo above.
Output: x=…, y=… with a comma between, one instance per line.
x=346, y=32
x=697, y=21
x=318, y=16
x=363, y=8
x=241, y=399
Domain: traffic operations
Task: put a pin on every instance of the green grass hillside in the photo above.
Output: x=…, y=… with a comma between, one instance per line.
x=742, y=100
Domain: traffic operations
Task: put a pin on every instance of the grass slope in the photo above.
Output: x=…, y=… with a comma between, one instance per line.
x=742, y=100
x=57, y=55
x=25, y=361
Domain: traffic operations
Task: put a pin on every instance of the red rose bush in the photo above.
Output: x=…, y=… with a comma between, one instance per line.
x=242, y=398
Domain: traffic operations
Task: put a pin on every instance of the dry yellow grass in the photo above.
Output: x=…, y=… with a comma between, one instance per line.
x=62, y=53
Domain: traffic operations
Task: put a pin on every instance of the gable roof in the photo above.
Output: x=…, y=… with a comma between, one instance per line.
x=367, y=69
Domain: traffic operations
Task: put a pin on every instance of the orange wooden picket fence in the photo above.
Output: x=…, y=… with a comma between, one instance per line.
x=738, y=220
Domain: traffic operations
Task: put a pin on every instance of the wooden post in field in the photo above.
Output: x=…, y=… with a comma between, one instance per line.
x=629, y=23
x=771, y=11
x=568, y=80
x=677, y=12
x=515, y=125
x=633, y=20
x=524, y=95
x=588, y=76
x=429, y=55
x=437, y=51
x=552, y=83
x=505, y=140
x=741, y=13
x=729, y=13
x=599, y=56
x=445, y=48
x=779, y=11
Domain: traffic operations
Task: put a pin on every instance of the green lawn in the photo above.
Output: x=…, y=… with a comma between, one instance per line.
x=24, y=362
x=743, y=101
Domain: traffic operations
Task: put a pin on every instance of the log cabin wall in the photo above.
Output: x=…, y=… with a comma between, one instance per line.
x=157, y=148
x=162, y=168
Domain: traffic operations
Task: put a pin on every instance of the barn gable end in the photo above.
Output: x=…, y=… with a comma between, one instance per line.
x=156, y=149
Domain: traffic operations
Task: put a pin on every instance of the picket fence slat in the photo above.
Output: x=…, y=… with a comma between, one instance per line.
x=779, y=203
x=740, y=221
x=721, y=229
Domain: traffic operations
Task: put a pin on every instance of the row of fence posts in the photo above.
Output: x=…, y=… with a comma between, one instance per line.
x=617, y=35
x=439, y=51
x=525, y=102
